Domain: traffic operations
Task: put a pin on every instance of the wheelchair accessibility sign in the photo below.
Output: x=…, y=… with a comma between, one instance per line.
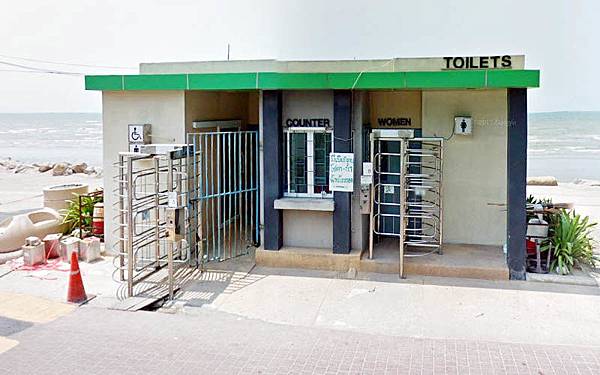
x=139, y=133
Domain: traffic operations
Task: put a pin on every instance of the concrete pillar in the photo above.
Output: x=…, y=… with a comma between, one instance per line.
x=517, y=182
x=273, y=172
x=342, y=142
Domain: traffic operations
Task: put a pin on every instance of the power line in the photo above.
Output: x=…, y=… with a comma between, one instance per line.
x=68, y=64
x=40, y=70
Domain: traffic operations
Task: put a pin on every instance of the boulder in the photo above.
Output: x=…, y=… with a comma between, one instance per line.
x=60, y=169
x=10, y=164
x=90, y=170
x=44, y=168
x=22, y=168
x=542, y=181
x=79, y=167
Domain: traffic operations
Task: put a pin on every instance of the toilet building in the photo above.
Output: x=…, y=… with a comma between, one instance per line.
x=409, y=164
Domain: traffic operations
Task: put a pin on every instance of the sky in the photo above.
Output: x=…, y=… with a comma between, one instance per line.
x=558, y=37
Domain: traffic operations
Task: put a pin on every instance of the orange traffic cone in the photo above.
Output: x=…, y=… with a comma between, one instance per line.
x=76, y=292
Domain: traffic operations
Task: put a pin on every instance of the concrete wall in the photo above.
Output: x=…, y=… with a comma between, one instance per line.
x=395, y=104
x=163, y=109
x=474, y=185
x=308, y=104
x=216, y=105
x=307, y=228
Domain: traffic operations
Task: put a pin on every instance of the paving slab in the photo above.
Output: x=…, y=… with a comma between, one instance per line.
x=31, y=309
x=110, y=341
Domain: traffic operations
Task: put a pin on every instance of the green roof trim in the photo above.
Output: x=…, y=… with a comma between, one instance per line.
x=156, y=82
x=104, y=83
x=447, y=79
x=514, y=78
x=216, y=81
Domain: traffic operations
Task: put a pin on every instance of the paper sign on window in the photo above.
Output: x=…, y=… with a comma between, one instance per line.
x=341, y=171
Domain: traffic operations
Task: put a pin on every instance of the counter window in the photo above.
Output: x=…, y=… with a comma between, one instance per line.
x=307, y=162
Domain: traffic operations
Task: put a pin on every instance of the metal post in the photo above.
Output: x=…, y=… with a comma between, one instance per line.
x=403, y=219
x=130, y=260
x=256, y=188
x=121, y=219
x=192, y=201
x=229, y=165
x=156, y=211
x=219, y=161
x=440, y=197
x=239, y=187
x=371, y=214
x=170, y=243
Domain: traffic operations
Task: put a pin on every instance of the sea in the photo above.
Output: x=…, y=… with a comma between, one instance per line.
x=565, y=145
x=561, y=144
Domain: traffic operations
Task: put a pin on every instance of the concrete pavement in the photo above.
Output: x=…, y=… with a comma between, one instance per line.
x=98, y=341
x=500, y=311
x=509, y=311
x=246, y=319
x=20, y=311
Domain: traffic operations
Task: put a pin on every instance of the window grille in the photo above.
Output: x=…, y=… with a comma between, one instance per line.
x=306, y=154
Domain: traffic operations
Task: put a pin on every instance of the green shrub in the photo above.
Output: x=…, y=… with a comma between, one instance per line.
x=571, y=241
x=71, y=215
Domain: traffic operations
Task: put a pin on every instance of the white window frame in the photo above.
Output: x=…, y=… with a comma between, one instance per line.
x=310, y=163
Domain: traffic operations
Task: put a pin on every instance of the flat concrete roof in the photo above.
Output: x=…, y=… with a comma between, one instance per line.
x=413, y=64
x=451, y=72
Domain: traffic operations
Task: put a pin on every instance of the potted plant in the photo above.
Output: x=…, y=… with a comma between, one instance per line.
x=571, y=241
x=80, y=208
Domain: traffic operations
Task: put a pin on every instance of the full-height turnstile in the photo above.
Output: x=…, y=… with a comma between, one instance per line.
x=406, y=192
x=151, y=221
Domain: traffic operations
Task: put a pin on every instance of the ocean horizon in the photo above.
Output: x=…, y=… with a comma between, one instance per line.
x=564, y=144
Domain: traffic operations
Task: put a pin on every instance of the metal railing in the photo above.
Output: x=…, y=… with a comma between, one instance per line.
x=224, y=199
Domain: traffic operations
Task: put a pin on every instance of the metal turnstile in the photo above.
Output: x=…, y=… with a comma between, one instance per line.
x=151, y=221
x=406, y=192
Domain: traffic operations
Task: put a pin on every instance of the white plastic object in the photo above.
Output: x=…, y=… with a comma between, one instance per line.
x=14, y=230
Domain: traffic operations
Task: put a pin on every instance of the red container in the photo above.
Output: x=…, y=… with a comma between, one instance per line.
x=98, y=219
x=530, y=246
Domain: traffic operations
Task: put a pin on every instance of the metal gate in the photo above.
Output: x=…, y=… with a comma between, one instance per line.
x=148, y=186
x=406, y=192
x=224, y=199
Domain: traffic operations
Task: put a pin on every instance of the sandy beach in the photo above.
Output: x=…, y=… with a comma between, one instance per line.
x=22, y=192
